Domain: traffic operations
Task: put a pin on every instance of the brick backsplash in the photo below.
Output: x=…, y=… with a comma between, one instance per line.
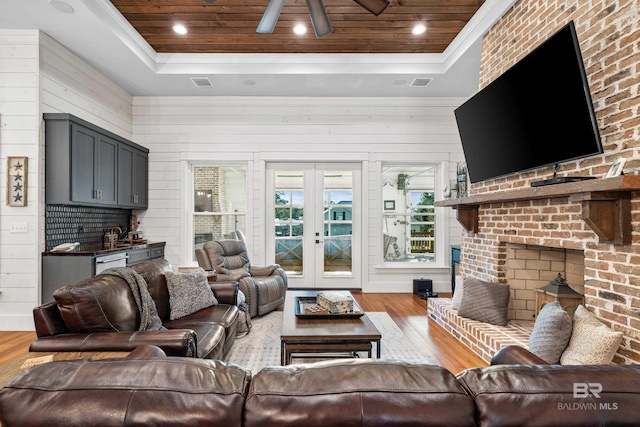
x=608, y=32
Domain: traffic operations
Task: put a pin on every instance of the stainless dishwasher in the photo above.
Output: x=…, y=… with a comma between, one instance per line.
x=111, y=261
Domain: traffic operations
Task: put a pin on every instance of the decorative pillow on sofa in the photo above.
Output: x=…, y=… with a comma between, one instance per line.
x=592, y=342
x=188, y=293
x=484, y=301
x=457, y=293
x=551, y=333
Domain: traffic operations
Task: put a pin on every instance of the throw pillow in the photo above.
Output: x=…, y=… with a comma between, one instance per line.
x=188, y=293
x=457, y=293
x=484, y=301
x=551, y=333
x=592, y=342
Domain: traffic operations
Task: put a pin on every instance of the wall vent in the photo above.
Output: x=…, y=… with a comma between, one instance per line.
x=420, y=82
x=201, y=81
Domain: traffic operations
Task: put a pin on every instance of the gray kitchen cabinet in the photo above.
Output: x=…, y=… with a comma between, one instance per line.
x=132, y=177
x=138, y=255
x=83, y=165
x=93, y=167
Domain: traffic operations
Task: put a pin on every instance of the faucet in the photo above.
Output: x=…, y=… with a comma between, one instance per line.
x=113, y=237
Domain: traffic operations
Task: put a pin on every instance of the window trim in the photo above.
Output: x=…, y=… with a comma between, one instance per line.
x=441, y=232
x=187, y=227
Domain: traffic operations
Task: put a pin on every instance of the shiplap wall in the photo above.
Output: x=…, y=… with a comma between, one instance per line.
x=258, y=130
x=38, y=75
x=19, y=122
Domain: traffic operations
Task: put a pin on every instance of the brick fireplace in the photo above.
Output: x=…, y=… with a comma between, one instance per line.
x=530, y=267
x=603, y=255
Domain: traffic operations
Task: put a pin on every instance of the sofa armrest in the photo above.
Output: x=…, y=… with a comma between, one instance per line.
x=48, y=320
x=262, y=271
x=231, y=277
x=147, y=351
x=516, y=355
x=225, y=292
x=174, y=342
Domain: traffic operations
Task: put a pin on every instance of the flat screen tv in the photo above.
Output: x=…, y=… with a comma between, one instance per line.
x=537, y=113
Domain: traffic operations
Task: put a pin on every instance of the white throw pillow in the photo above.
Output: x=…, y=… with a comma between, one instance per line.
x=457, y=293
x=592, y=342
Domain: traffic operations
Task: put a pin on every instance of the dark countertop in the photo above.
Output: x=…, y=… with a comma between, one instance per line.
x=98, y=250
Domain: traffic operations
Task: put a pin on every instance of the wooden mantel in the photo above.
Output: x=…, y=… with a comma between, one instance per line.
x=606, y=204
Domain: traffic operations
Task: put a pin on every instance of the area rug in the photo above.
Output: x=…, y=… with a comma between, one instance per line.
x=261, y=347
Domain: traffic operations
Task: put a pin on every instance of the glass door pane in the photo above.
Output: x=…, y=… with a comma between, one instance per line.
x=289, y=221
x=338, y=223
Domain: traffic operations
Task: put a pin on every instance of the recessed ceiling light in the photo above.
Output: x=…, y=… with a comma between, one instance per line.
x=418, y=29
x=180, y=29
x=61, y=6
x=300, y=29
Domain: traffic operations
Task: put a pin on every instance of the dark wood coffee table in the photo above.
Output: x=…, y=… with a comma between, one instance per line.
x=326, y=338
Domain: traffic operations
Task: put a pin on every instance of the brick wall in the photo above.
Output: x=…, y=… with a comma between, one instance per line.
x=609, y=34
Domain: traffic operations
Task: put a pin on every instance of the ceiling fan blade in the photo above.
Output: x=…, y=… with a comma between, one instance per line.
x=374, y=6
x=319, y=18
x=268, y=22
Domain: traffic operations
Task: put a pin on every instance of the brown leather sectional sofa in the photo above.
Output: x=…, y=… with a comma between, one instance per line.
x=100, y=314
x=147, y=389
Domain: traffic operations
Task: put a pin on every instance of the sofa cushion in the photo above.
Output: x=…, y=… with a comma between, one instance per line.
x=592, y=342
x=551, y=332
x=98, y=304
x=484, y=301
x=188, y=293
x=553, y=395
x=143, y=391
x=356, y=393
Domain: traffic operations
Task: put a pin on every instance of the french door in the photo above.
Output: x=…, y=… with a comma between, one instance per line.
x=313, y=223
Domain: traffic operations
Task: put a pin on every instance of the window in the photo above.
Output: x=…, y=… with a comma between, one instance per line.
x=408, y=213
x=219, y=203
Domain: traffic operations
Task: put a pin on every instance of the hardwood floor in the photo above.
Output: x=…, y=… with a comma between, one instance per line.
x=410, y=314
x=407, y=310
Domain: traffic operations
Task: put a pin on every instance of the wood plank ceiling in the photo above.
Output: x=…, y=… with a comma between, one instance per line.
x=229, y=26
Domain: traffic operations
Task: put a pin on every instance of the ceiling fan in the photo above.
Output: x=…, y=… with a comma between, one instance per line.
x=318, y=14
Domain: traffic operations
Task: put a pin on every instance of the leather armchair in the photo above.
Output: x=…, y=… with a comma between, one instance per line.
x=264, y=287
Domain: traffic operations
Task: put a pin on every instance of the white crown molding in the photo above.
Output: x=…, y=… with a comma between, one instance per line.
x=427, y=63
x=479, y=24
x=113, y=19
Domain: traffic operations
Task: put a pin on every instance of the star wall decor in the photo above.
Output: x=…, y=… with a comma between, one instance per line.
x=17, y=181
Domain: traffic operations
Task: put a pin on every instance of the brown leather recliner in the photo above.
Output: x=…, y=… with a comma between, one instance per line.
x=263, y=287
